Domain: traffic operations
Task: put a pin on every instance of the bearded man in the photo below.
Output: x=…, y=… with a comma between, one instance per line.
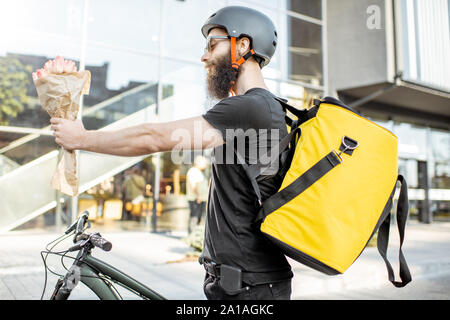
x=240, y=262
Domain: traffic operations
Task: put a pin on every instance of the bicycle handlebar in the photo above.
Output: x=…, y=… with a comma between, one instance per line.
x=82, y=238
x=79, y=223
x=94, y=238
x=100, y=242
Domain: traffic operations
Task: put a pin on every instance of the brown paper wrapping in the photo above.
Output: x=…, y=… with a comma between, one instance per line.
x=59, y=95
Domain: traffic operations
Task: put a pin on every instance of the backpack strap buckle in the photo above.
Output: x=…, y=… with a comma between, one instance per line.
x=348, y=145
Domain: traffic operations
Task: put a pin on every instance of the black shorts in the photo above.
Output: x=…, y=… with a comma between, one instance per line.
x=197, y=209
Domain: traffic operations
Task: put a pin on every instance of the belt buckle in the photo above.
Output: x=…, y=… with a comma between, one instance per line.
x=213, y=266
x=210, y=267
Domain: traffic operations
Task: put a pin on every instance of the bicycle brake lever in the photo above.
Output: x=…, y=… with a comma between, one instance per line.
x=78, y=245
x=71, y=228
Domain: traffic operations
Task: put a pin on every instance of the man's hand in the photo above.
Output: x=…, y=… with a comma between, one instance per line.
x=69, y=134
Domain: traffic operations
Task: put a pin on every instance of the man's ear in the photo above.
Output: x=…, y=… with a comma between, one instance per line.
x=244, y=45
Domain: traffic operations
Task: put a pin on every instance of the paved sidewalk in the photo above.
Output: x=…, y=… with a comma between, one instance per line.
x=427, y=252
x=145, y=256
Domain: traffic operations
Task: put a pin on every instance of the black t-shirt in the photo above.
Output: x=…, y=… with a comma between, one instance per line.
x=232, y=237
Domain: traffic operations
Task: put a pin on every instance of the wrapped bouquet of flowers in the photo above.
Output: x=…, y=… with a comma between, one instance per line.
x=59, y=87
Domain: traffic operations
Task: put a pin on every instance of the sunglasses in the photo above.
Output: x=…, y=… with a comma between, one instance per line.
x=208, y=47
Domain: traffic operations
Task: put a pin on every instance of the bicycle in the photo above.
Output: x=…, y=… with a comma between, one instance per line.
x=97, y=275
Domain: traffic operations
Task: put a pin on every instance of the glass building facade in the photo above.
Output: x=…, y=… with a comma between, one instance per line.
x=424, y=44
x=139, y=49
x=134, y=50
x=424, y=161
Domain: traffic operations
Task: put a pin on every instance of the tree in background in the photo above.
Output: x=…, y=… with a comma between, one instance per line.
x=14, y=79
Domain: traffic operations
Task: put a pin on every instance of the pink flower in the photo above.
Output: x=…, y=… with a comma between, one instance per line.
x=41, y=73
x=48, y=66
x=59, y=64
x=52, y=66
x=69, y=66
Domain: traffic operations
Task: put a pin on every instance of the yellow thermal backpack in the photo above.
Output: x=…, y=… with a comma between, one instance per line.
x=337, y=190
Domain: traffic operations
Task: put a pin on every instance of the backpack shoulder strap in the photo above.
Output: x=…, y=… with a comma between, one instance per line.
x=254, y=170
x=301, y=114
x=257, y=169
x=383, y=237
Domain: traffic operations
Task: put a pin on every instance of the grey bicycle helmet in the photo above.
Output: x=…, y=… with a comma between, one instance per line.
x=242, y=21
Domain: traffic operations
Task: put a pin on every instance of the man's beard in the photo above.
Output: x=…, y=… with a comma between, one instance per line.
x=220, y=76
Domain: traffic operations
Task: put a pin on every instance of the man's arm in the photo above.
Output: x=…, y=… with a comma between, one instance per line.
x=188, y=134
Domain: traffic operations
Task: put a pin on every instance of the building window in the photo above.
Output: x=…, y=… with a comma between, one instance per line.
x=312, y=8
x=305, y=51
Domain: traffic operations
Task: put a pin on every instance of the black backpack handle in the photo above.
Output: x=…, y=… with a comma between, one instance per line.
x=383, y=237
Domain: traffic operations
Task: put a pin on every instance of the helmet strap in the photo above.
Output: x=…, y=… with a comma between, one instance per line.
x=236, y=64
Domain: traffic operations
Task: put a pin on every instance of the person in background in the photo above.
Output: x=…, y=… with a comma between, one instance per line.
x=125, y=209
x=134, y=186
x=196, y=191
